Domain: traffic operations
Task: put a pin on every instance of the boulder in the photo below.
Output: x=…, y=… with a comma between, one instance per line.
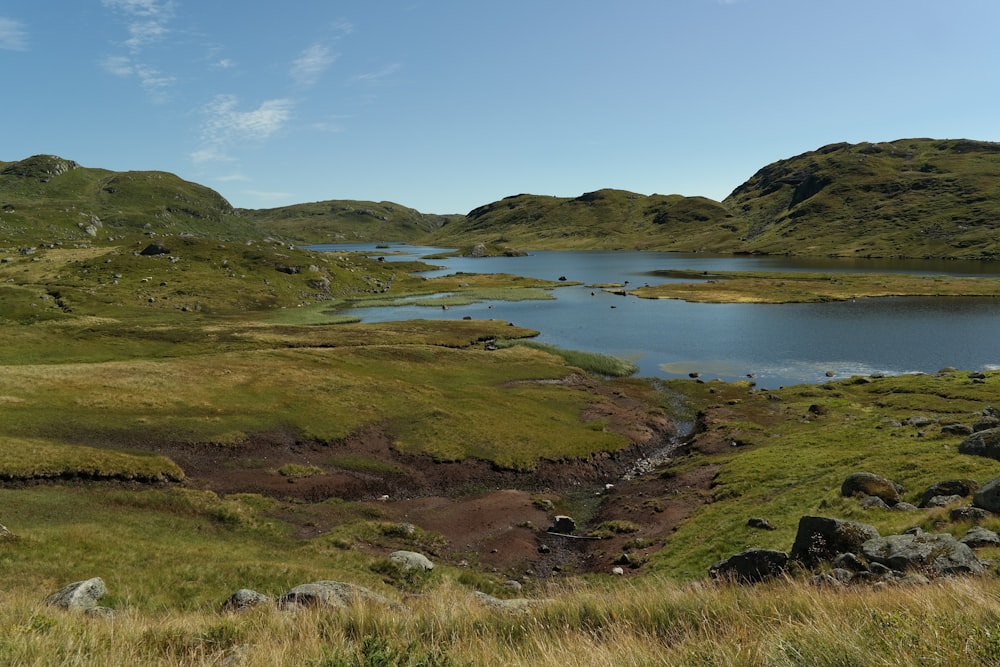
x=870, y=484
x=957, y=429
x=820, y=538
x=982, y=443
x=943, y=501
x=978, y=537
x=335, y=594
x=761, y=524
x=751, y=566
x=951, y=487
x=988, y=495
x=411, y=560
x=244, y=599
x=154, y=249
x=563, y=524
x=513, y=605
x=940, y=554
x=985, y=423
x=968, y=513
x=79, y=596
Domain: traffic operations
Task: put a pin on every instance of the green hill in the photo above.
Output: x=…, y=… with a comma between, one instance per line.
x=346, y=221
x=906, y=198
x=602, y=219
x=46, y=198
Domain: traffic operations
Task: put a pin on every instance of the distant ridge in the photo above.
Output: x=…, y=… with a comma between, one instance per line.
x=918, y=198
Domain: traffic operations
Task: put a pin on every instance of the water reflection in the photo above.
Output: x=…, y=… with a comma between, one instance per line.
x=777, y=344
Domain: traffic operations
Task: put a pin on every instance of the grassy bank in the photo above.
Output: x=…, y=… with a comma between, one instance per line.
x=795, y=287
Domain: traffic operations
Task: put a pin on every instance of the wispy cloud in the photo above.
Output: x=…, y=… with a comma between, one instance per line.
x=377, y=76
x=148, y=20
x=311, y=63
x=13, y=36
x=226, y=124
x=153, y=81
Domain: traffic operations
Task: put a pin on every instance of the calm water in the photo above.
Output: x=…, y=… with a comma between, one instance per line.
x=780, y=344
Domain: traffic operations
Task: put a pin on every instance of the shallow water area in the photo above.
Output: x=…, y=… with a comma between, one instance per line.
x=780, y=344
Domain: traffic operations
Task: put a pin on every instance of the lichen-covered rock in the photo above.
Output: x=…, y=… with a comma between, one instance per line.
x=978, y=537
x=329, y=594
x=751, y=566
x=870, y=484
x=982, y=443
x=411, y=560
x=951, y=487
x=940, y=554
x=79, y=596
x=988, y=496
x=244, y=599
x=820, y=538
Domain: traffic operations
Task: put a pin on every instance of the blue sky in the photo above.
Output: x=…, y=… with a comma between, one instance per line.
x=445, y=105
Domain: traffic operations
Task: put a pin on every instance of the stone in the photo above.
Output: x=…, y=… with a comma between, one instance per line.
x=968, y=513
x=563, y=524
x=154, y=249
x=985, y=423
x=336, y=594
x=516, y=605
x=940, y=554
x=751, y=566
x=244, y=599
x=978, y=537
x=957, y=429
x=79, y=596
x=988, y=495
x=411, y=560
x=821, y=539
x=982, y=443
x=943, y=501
x=870, y=484
x=951, y=487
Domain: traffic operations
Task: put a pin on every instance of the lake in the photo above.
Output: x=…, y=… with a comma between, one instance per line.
x=779, y=344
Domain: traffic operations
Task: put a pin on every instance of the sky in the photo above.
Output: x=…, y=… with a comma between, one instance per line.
x=446, y=105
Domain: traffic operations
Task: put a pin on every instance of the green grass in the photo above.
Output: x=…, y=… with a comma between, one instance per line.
x=795, y=287
x=593, y=362
x=792, y=462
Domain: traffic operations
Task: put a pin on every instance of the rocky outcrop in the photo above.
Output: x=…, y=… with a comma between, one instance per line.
x=411, y=560
x=821, y=539
x=750, y=566
x=336, y=594
x=870, y=484
x=982, y=443
x=80, y=596
x=244, y=599
x=962, y=488
x=987, y=496
x=939, y=554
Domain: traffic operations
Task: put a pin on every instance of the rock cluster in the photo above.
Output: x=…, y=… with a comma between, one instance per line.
x=845, y=552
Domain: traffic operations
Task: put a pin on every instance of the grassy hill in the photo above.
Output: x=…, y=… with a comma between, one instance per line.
x=909, y=198
x=906, y=198
x=45, y=198
x=346, y=221
x=601, y=219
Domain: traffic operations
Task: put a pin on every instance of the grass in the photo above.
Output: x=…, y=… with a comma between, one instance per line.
x=794, y=287
x=791, y=461
x=596, y=363
x=643, y=622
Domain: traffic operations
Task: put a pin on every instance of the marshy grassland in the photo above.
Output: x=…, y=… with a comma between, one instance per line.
x=115, y=363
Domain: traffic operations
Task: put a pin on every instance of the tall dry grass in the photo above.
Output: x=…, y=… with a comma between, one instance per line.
x=650, y=622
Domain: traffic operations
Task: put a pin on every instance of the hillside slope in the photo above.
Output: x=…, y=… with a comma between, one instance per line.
x=45, y=198
x=908, y=198
x=346, y=221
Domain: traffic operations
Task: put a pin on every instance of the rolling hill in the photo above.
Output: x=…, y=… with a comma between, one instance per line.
x=917, y=198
